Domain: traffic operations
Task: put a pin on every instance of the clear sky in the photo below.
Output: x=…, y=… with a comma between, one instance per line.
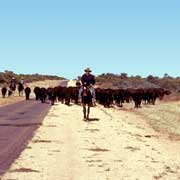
x=64, y=36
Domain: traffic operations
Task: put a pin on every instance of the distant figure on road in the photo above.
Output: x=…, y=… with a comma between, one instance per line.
x=89, y=81
x=13, y=84
x=21, y=81
x=21, y=86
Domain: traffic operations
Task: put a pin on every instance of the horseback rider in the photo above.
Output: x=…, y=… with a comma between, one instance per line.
x=21, y=86
x=21, y=81
x=13, y=84
x=89, y=81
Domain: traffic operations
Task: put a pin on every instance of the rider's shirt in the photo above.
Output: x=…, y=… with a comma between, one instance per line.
x=12, y=85
x=87, y=80
x=21, y=81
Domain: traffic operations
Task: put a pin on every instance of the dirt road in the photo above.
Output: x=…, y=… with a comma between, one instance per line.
x=18, y=122
x=115, y=145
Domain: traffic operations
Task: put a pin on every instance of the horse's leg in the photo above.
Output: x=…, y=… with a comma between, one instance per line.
x=84, y=111
x=88, y=111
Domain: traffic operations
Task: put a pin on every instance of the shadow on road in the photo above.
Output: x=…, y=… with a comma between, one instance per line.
x=94, y=119
x=18, y=124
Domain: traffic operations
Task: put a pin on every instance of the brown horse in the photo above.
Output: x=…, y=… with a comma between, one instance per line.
x=12, y=89
x=86, y=102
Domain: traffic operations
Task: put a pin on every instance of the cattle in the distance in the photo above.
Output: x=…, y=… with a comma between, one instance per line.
x=10, y=93
x=74, y=93
x=37, y=92
x=60, y=92
x=121, y=96
x=52, y=95
x=27, y=91
x=109, y=97
x=137, y=96
x=152, y=94
x=4, y=91
x=66, y=95
x=43, y=95
x=106, y=97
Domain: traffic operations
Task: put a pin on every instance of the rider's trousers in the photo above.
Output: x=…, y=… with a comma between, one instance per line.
x=93, y=92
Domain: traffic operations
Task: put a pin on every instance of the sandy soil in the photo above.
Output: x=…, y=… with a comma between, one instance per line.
x=15, y=98
x=120, y=145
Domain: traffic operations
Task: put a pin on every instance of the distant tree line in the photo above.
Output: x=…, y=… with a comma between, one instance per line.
x=122, y=80
x=106, y=80
x=6, y=76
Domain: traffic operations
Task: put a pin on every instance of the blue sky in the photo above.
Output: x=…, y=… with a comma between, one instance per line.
x=63, y=37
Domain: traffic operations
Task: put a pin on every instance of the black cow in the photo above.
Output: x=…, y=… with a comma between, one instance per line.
x=137, y=96
x=10, y=93
x=43, y=95
x=75, y=94
x=61, y=93
x=4, y=91
x=52, y=95
x=37, y=92
x=104, y=97
x=120, y=96
x=27, y=91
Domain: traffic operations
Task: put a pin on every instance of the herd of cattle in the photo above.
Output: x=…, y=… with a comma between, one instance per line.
x=10, y=92
x=105, y=97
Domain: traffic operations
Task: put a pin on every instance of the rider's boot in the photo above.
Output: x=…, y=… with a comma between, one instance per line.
x=79, y=100
x=93, y=102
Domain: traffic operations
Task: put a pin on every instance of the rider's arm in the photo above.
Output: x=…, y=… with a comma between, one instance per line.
x=93, y=81
x=83, y=79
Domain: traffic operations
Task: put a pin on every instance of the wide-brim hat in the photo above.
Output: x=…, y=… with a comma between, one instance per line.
x=87, y=70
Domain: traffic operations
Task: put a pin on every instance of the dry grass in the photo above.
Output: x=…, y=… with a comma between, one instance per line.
x=164, y=117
